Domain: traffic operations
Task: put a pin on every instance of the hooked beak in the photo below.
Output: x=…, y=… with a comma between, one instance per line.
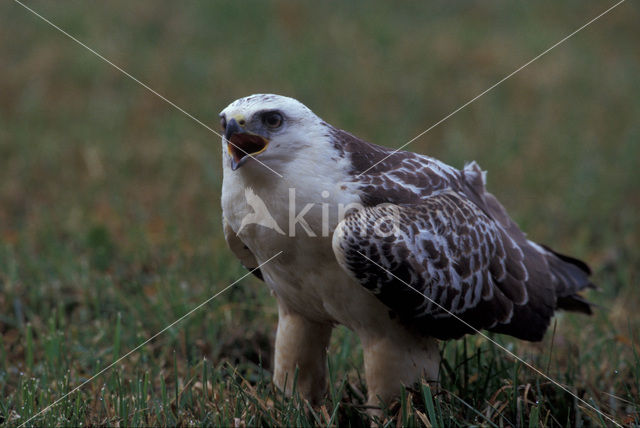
x=242, y=144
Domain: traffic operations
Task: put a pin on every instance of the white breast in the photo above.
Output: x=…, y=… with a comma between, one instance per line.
x=306, y=276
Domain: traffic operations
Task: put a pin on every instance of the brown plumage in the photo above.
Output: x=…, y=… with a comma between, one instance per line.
x=455, y=244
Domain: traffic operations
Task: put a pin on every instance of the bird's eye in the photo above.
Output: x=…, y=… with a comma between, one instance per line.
x=272, y=119
x=223, y=123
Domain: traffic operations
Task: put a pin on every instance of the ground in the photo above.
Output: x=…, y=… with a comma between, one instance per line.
x=110, y=218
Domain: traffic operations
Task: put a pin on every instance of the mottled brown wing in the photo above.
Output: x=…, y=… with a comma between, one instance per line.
x=409, y=179
x=430, y=260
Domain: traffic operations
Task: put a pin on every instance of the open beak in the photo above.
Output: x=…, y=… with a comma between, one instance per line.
x=242, y=144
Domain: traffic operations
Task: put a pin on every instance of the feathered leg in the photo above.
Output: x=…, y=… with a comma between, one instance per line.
x=395, y=360
x=301, y=343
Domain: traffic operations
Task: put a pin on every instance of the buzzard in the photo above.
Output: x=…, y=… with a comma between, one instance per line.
x=399, y=247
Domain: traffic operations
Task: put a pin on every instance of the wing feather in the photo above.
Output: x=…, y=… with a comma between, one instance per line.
x=430, y=260
x=540, y=279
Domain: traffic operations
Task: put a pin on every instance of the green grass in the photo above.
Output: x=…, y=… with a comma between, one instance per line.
x=110, y=217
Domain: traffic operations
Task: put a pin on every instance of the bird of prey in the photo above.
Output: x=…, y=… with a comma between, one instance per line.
x=399, y=247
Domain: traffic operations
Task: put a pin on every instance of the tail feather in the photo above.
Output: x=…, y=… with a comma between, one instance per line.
x=569, y=276
x=579, y=263
x=575, y=303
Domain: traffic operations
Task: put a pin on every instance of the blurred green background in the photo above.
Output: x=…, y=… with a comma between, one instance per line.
x=109, y=197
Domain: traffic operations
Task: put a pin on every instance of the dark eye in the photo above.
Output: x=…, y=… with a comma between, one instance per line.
x=223, y=122
x=272, y=119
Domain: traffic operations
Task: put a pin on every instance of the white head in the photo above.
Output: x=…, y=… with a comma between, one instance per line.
x=272, y=128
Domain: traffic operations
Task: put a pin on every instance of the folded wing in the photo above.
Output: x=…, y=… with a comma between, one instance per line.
x=442, y=261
